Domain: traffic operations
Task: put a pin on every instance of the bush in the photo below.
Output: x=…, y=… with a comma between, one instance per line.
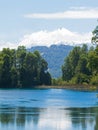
x=80, y=79
x=59, y=81
x=94, y=80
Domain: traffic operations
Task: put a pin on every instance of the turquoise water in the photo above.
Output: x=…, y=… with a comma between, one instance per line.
x=48, y=109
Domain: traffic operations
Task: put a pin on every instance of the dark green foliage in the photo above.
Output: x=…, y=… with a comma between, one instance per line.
x=71, y=65
x=67, y=70
x=81, y=78
x=81, y=66
x=95, y=36
x=94, y=80
x=20, y=68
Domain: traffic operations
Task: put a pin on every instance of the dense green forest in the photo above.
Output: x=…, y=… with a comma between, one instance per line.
x=81, y=66
x=20, y=68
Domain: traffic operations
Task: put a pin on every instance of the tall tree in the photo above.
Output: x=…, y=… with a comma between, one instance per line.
x=95, y=36
x=6, y=67
x=67, y=73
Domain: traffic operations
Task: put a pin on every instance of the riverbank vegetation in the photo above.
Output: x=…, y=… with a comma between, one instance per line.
x=20, y=68
x=81, y=65
x=80, y=69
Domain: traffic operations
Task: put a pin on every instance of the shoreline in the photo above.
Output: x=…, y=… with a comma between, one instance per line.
x=70, y=87
x=78, y=87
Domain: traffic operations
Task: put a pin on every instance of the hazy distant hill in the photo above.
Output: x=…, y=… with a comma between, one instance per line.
x=54, y=55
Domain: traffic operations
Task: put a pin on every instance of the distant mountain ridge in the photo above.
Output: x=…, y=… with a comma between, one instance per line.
x=54, y=55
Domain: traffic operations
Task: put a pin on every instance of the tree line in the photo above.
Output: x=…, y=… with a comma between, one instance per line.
x=20, y=68
x=81, y=66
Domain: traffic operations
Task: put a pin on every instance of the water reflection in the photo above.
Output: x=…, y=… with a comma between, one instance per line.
x=48, y=109
x=22, y=118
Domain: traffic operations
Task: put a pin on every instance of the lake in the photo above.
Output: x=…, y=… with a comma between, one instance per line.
x=48, y=109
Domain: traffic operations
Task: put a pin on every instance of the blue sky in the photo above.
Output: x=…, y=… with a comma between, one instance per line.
x=23, y=22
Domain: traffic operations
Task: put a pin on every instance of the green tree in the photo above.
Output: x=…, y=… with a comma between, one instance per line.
x=70, y=64
x=14, y=77
x=31, y=66
x=93, y=61
x=5, y=73
x=75, y=68
x=43, y=71
x=95, y=36
x=67, y=72
x=82, y=65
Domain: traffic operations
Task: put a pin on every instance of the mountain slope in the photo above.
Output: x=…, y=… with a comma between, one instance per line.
x=54, y=55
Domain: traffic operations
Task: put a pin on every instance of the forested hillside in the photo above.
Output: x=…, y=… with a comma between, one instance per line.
x=54, y=55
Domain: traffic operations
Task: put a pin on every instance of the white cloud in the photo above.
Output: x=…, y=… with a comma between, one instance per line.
x=46, y=38
x=74, y=13
x=55, y=37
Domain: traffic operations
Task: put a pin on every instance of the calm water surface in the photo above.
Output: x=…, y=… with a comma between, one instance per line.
x=48, y=109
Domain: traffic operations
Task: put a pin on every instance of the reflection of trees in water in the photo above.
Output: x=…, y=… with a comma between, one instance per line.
x=80, y=117
x=6, y=117
x=96, y=121
x=19, y=116
x=84, y=117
